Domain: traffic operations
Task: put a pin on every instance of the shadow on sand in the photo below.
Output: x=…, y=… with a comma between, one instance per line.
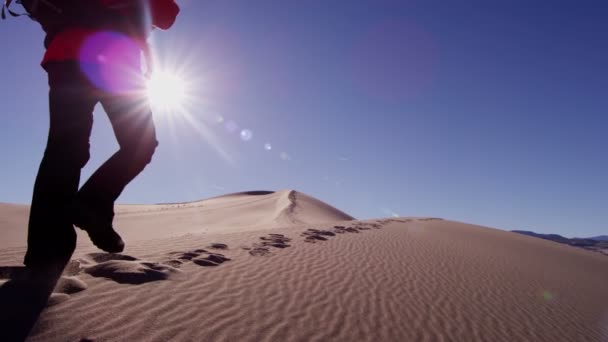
x=23, y=297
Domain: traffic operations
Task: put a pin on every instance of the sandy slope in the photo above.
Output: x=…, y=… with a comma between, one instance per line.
x=237, y=212
x=284, y=266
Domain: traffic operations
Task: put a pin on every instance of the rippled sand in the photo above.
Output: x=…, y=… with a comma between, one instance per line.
x=285, y=266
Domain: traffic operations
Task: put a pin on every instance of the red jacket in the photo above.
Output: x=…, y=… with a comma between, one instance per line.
x=66, y=44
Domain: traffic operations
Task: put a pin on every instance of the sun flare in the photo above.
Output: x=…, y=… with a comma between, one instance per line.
x=166, y=91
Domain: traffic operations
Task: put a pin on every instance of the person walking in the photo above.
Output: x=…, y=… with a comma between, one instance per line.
x=93, y=55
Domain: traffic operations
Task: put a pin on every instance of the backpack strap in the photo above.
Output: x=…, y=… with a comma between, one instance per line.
x=6, y=8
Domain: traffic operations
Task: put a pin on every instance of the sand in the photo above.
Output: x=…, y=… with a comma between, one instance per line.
x=283, y=266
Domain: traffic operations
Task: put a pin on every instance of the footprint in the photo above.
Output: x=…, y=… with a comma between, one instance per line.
x=57, y=298
x=187, y=255
x=173, y=263
x=211, y=260
x=259, y=251
x=221, y=246
x=126, y=269
x=314, y=235
x=342, y=230
x=179, y=258
x=363, y=227
x=390, y=220
x=70, y=285
x=103, y=257
x=67, y=284
x=65, y=287
x=263, y=248
x=277, y=242
x=200, y=257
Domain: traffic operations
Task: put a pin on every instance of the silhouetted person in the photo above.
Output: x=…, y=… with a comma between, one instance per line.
x=93, y=55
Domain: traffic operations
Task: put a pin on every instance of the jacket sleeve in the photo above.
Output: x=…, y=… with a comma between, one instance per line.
x=164, y=13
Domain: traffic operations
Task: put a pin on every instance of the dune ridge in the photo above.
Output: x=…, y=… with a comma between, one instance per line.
x=244, y=211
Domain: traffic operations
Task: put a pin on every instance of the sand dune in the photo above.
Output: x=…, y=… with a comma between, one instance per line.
x=284, y=266
x=237, y=212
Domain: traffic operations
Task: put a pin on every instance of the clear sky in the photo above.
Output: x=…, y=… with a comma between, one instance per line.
x=488, y=112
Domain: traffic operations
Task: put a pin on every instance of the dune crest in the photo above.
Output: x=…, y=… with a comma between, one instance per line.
x=283, y=207
x=236, y=212
x=299, y=208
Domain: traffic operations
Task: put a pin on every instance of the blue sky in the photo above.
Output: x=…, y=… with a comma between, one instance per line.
x=488, y=112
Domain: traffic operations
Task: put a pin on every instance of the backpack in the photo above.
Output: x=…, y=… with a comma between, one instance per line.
x=123, y=16
x=6, y=7
x=55, y=15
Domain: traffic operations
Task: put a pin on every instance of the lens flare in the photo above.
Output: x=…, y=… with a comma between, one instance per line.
x=246, y=135
x=267, y=146
x=111, y=61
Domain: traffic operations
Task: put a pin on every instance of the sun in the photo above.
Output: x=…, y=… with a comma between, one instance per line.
x=166, y=91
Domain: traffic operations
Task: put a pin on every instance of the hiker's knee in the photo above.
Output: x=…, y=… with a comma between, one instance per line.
x=141, y=154
x=148, y=151
x=81, y=155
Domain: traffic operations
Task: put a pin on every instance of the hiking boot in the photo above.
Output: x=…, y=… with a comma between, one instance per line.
x=100, y=230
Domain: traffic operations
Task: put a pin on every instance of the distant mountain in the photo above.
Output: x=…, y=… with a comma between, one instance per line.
x=552, y=237
x=598, y=244
x=600, y=238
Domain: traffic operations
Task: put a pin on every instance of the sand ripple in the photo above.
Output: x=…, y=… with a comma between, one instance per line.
x=405, y=281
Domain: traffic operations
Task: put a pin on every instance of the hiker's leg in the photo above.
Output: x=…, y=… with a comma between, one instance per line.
x=51, y=236
x=133, y=126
